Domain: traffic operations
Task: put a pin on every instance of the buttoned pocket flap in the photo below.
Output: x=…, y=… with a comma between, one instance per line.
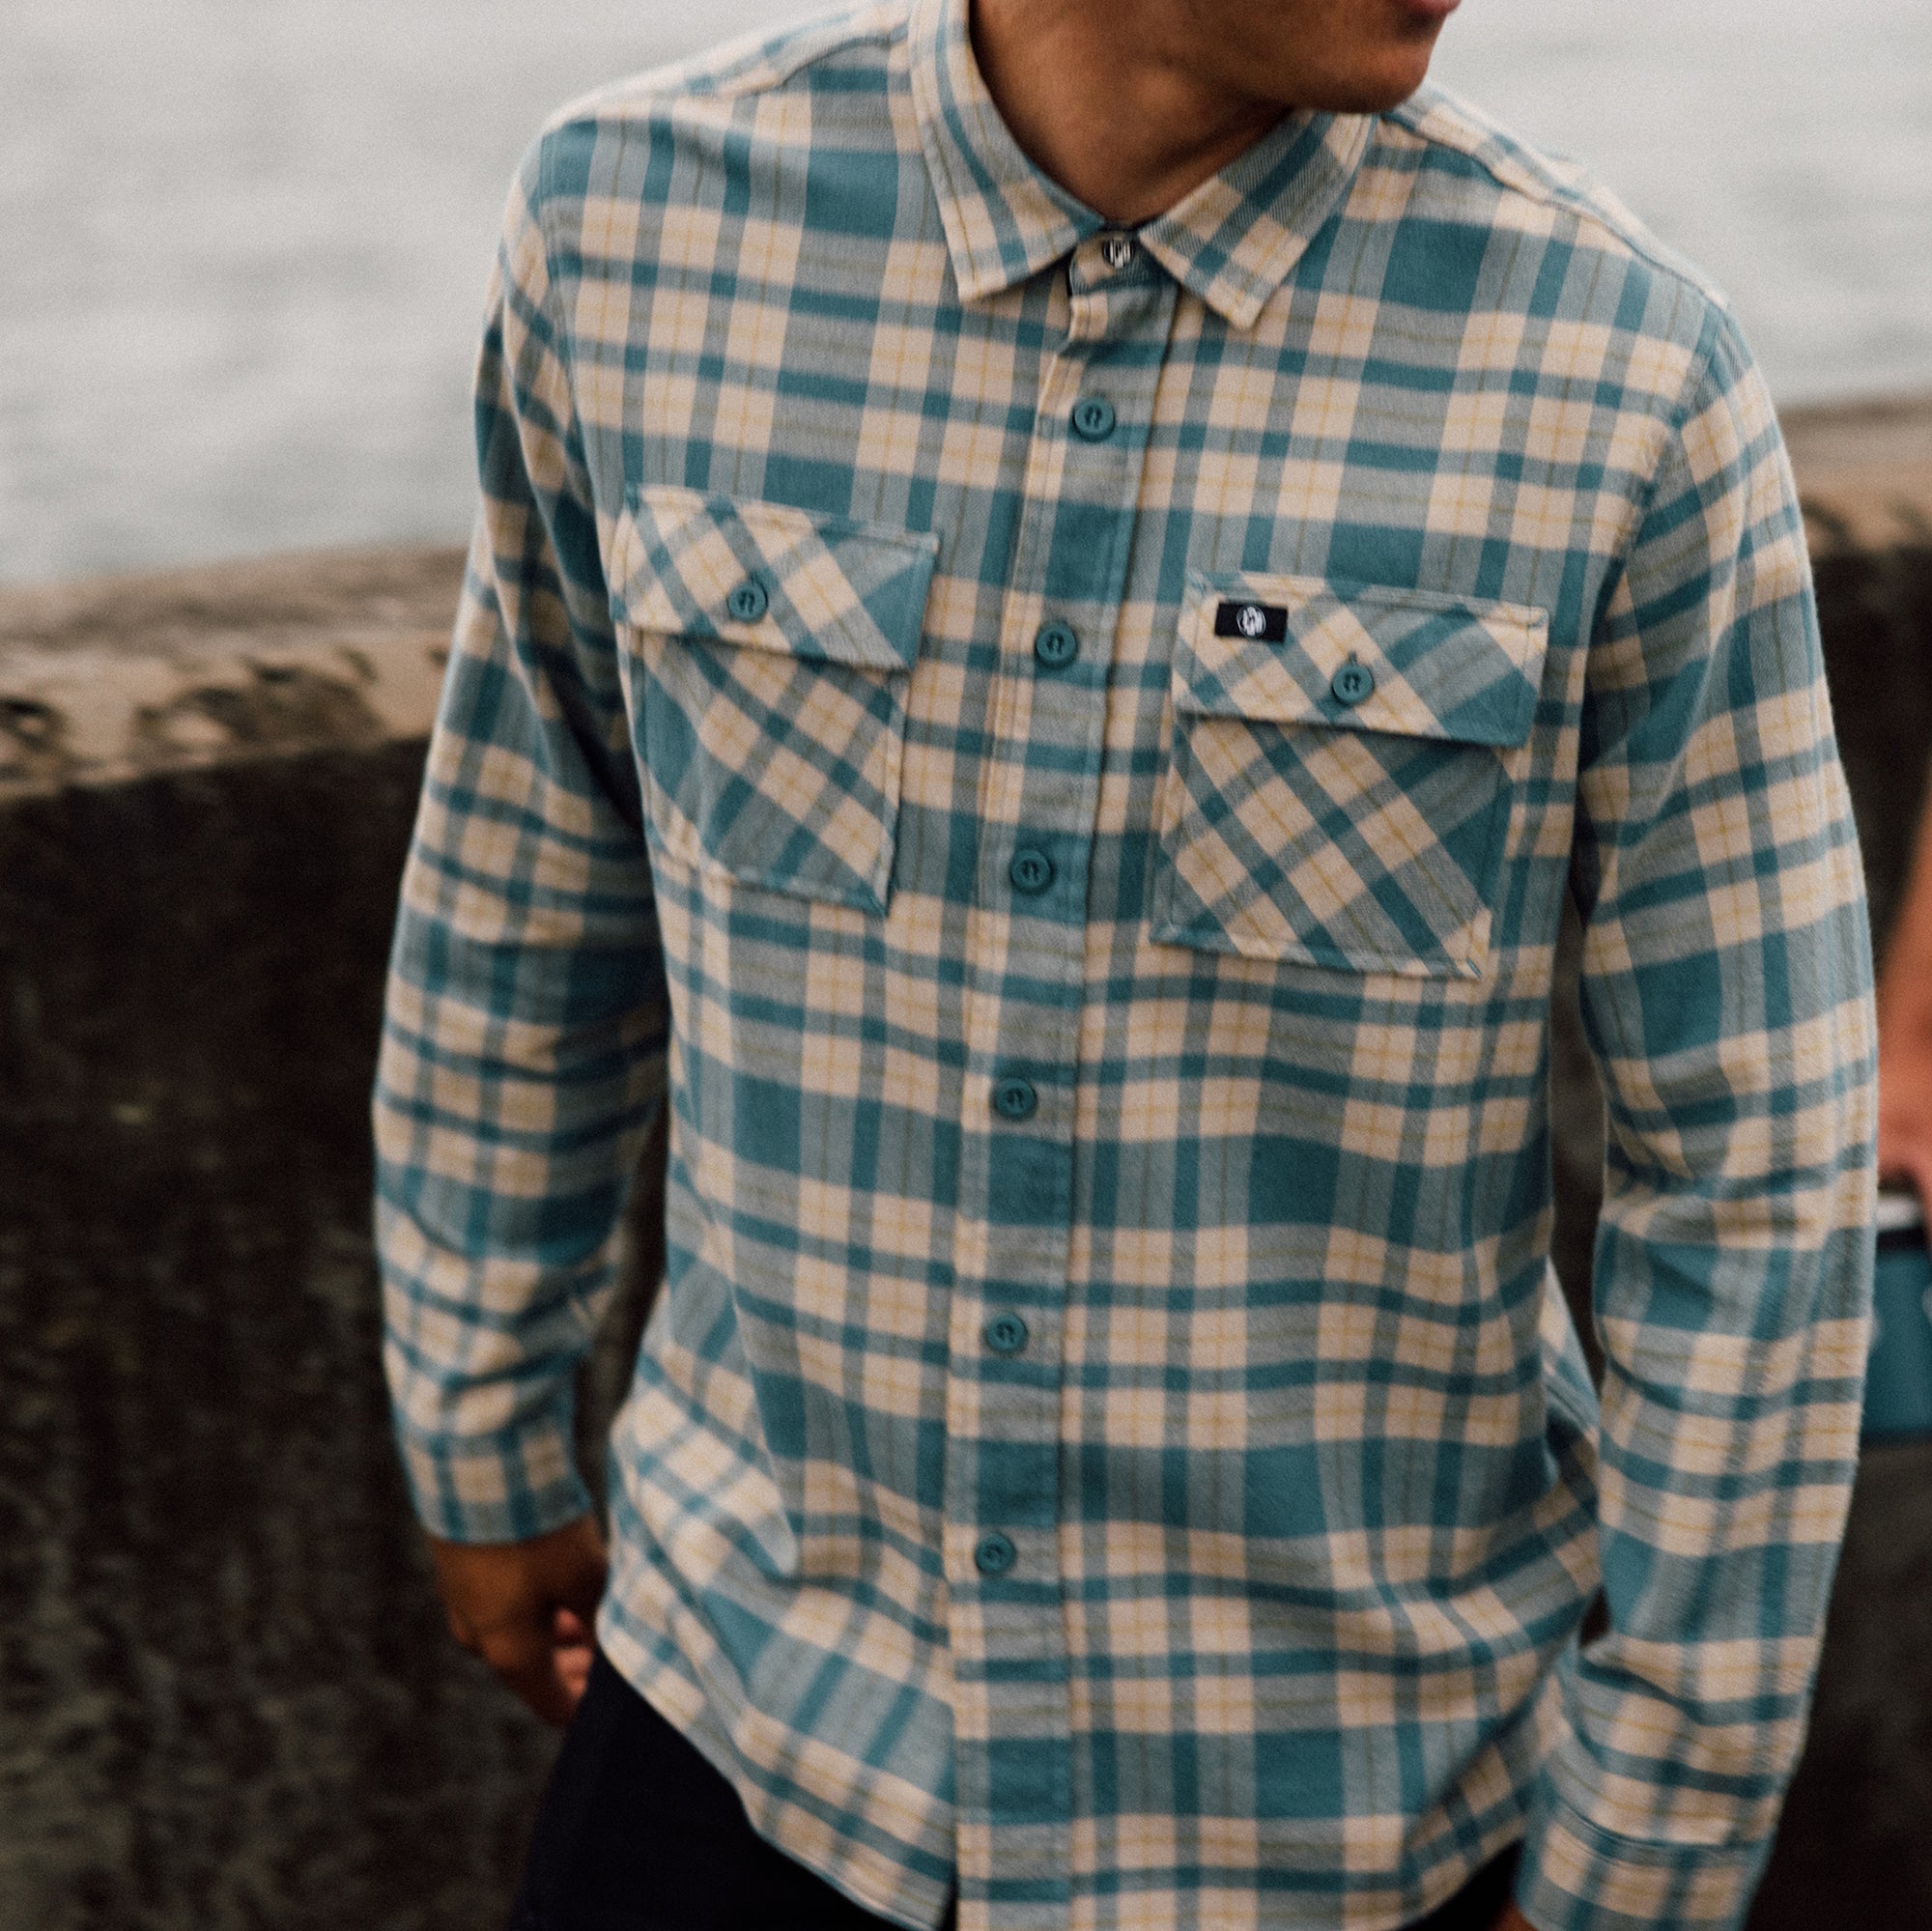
x=1308, y=650
x=729, y=570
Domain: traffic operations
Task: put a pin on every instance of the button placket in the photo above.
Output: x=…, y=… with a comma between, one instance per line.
x=1044, y=737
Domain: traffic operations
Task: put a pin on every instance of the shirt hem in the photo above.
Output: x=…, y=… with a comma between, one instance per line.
x=649, y=1678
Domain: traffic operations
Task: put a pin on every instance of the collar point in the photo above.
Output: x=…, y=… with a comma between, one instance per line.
x=1243, y=311
x=980, y=281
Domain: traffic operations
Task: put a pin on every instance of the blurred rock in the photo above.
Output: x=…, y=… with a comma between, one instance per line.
x=227, y=1697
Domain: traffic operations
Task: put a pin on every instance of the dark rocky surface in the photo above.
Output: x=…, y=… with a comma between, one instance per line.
x=1856, y=1846
x=227, y=1699
x=226, y=1693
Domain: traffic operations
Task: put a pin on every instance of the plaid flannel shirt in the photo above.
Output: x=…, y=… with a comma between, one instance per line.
x=1059, y=753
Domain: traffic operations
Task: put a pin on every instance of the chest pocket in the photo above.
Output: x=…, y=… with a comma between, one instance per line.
x=1343, y=761
x=767, y=653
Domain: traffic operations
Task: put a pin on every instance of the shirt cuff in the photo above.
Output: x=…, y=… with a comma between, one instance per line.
x=1575, y=1877
x=499, y=1488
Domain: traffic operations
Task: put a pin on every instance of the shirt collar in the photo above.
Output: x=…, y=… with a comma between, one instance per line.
x=1232, y=240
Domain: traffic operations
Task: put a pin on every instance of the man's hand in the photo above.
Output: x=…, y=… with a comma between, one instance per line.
x=1513, y=1919
x=1905, y=1029
x=527, y=1609
x=1905, y=1092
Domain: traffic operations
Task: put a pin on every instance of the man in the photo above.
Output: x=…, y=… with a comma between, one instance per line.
x=1062, y=594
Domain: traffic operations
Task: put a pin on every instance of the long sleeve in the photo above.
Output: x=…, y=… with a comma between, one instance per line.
x=1726, y=993
x=522, y=1052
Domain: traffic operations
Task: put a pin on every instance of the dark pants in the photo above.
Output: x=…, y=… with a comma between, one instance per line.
x=637, y=1832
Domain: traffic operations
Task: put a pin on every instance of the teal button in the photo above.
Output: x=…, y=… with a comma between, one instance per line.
x=1015, y=1100
x=1094, y=418
x=1031, y=871
x=1006, y=1334
x=995, y=1555
x=1354, y=682
x=1055, y=646
x=749, y=602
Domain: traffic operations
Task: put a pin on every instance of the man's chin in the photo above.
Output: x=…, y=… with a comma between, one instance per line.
x=1376, y=89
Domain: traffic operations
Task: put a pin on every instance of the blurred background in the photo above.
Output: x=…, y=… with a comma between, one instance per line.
x=243, y=247
x=246, y=241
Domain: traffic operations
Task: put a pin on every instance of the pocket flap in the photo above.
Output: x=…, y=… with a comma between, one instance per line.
x=1269, y=648
x=735, y=571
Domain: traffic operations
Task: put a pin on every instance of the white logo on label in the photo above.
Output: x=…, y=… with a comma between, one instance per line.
x=1251, y=620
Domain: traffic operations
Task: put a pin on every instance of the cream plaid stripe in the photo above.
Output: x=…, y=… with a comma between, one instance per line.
x=1109, y=1445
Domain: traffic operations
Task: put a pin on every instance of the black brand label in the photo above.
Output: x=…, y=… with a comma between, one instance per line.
x=1259, y=623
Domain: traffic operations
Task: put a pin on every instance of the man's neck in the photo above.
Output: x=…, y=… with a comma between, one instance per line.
x=1097, y=98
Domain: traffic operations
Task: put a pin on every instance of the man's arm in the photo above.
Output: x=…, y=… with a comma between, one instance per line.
x=524, y=1039
x=1905, y=1029
x=1726, y=994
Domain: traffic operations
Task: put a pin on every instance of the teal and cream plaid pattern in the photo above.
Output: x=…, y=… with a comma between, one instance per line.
x=1057, y=756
